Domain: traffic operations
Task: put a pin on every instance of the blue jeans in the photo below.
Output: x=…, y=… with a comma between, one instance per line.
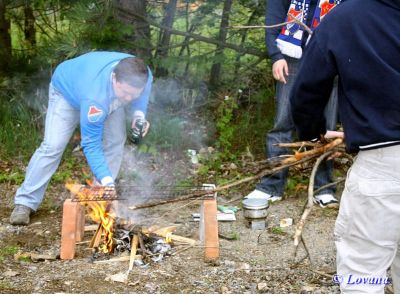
x=282, y=133
x=61, y=121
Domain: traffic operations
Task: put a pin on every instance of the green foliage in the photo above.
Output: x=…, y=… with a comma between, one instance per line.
x=20, y=125
x=15, y=177
x=86, y=26
x=66, y=29
x=7, y=251
x=225, y=127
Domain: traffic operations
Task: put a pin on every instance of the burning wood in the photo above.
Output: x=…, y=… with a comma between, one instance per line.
x=116, y=236
x=97, y=201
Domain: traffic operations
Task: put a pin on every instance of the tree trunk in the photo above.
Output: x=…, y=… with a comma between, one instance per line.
x=242, y=42
x=29, y=26
x=141, y=37
x=162, y=48
x=219, y=54
x=5, y=39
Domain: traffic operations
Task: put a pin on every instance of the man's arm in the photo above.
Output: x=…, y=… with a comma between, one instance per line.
x=92, y=117
x=276, y=12
x=312, y=88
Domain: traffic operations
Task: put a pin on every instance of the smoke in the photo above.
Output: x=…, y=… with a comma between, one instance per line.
x=154, y=170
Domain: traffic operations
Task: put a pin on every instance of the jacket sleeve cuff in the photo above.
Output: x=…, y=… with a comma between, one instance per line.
x=107, y=181
x=276, y=57
x=138, y=114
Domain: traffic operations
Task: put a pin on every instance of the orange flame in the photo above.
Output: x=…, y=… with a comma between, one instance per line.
x=99, y=211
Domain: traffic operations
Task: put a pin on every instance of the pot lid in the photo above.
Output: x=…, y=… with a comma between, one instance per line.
x=253, y=203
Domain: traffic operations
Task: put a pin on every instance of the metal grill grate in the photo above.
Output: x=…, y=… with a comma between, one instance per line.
x=96, y=193
x=166, y=192
x=102, y=193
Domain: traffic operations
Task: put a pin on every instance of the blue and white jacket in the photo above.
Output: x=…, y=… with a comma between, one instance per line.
x=85, y=82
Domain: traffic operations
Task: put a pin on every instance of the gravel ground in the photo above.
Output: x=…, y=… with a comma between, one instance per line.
x=257, y=261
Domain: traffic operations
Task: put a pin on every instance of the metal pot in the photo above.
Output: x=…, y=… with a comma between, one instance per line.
x=255, y=208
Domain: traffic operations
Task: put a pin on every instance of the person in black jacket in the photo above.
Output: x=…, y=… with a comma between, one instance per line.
x=359, y=42
x=284, y=70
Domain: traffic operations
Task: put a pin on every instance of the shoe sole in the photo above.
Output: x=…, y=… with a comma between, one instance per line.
x=330, y=205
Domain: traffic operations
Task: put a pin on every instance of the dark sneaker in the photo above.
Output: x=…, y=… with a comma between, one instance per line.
x=326, y=200
x=20, y=215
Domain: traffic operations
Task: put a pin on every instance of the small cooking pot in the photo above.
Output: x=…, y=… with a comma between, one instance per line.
x=255, y=208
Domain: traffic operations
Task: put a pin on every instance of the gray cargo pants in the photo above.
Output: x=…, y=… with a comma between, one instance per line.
x=367, y=231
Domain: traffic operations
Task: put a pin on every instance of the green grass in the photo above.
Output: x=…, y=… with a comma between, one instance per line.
x=277, y=231
x=7, y=251
x=5, y=285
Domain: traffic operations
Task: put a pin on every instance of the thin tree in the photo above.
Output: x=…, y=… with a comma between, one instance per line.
x=5, y=39
x=165, y=36
x=219, y=54
x=126, y=11
x=29, y=26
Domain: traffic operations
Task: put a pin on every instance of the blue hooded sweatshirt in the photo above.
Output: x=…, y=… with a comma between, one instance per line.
x=85, y=82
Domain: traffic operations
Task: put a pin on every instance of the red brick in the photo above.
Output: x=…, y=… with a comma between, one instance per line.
x=68, y=229
x=80, y=223
x=209, y=229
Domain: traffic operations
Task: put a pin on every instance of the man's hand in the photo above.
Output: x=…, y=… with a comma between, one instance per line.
x=333, y=135
x=107, y=181
x=280, y=70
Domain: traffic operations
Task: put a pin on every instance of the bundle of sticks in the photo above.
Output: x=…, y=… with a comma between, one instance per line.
x=266, y=167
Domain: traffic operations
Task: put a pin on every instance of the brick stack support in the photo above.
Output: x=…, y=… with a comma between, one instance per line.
x=72, y=228
x=209, y=227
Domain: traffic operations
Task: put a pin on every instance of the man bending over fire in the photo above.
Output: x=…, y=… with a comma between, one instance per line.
x=91, y=90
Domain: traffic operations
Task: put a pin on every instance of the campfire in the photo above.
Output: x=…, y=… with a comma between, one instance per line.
x=114, y=236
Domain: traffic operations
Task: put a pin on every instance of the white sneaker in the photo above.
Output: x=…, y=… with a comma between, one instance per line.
x=257, y=194
x=326, y=200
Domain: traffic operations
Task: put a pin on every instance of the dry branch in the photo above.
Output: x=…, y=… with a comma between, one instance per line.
x=295, y=20
x=310, y=203
x=297, y=158
x=196, y=37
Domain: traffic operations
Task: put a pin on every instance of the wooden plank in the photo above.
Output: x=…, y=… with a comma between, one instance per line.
x=175, y=238
x=135, y=242
x=95, y=242
x=91, y=227
x=116, y=259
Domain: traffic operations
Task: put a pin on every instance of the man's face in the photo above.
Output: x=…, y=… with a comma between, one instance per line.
x=125, y=92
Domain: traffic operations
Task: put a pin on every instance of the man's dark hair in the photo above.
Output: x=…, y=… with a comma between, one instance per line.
x=133, y=71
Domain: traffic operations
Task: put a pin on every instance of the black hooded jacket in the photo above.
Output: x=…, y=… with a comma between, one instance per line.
x=360, y=42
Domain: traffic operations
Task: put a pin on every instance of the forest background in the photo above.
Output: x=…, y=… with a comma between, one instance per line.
x=213, y=83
